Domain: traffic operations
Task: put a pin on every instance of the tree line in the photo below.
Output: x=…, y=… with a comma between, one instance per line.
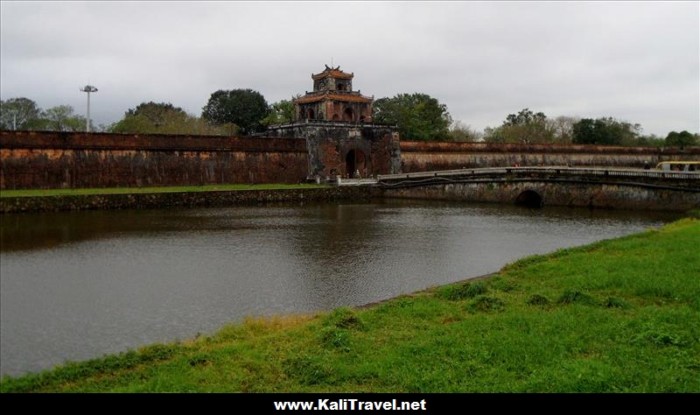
x=24, y=114
x=417, y=116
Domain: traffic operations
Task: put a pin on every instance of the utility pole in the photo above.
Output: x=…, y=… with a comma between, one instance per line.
x=88, y=89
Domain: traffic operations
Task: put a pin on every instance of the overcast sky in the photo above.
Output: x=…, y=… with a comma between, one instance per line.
x=634, y=61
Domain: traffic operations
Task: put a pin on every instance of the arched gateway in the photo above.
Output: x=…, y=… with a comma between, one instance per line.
x=336, y=123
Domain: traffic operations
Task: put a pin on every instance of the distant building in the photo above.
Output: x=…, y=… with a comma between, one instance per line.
x=340, y=136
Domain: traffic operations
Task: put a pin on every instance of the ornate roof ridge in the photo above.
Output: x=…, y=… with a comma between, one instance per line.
x=331, y=72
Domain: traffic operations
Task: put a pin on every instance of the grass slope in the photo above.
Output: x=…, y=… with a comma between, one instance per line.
x=616, y=316
x=166, y=189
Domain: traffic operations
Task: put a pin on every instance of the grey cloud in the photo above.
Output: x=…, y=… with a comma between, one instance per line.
x=639, y=61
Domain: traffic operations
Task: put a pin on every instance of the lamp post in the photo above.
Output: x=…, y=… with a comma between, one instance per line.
x=88, y=89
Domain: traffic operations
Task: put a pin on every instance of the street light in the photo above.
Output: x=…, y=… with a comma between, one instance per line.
x=88, y=89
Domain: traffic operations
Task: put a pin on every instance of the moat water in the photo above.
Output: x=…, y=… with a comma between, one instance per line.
x=78, y=285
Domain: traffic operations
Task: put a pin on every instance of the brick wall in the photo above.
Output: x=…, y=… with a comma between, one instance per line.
x=427, y=156
x=79, y=160
x=55, y=160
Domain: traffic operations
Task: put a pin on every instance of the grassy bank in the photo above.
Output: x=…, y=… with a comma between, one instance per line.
x=616, y=316
x=141, y=190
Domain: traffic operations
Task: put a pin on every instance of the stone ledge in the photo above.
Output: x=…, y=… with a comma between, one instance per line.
x=179, y=199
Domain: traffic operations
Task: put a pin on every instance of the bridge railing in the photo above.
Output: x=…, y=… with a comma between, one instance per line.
x=548, y=170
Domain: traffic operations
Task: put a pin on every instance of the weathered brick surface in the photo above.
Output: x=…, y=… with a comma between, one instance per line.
x=330, y=145
x=426, y=156
x=57, y=160
x=289, y=154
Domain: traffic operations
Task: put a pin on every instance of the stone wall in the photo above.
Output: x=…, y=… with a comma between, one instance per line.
x=426, y=156
x=375, y=148
x=181, y=199
x=561, y=193
x=75, y=160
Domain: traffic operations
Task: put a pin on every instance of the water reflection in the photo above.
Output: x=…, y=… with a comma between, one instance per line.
x=78, y=285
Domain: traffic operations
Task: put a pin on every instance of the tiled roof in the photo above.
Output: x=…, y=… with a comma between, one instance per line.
x=332, y=73
x=333, y=97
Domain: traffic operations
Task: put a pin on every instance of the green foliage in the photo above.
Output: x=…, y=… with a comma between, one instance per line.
x=524, y=117
x=164, y=118
x=605, y=131
x=524, y=127
x=160, y=113
x=417, y=116
x=18, y=114
x=281, y=112
x=24, y=114
x=60, y=118
x=682, y=139
x=243, y=107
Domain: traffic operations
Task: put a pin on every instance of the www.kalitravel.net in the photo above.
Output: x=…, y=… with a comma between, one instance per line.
x=350, y=405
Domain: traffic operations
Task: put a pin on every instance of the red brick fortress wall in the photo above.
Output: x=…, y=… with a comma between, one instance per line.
x=427, y=156
x=35, y=160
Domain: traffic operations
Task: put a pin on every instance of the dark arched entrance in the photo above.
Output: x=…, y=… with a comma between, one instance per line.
x=348, y=114
x=355, y=161
x=310, y=114
x=529, y=198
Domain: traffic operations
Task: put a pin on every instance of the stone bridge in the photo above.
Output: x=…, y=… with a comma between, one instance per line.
x=553, y=185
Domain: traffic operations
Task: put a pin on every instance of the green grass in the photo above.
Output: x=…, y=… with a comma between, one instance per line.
x=169, y=189
x=616, y=316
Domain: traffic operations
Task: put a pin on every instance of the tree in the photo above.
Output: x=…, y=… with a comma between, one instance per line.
x=60, y=118
x=461, y=132
x=18, y=114
x=650, y=141
x=244, y=107
x=418, y=116
x=151, y=118
x=281, y=112
x=157, y=113
x=524, y=127
x=164, y=118
x=563, y=128
x=605, y=131
x=682, y=139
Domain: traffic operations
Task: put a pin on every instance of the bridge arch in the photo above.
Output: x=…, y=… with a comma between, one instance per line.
x=529, y=198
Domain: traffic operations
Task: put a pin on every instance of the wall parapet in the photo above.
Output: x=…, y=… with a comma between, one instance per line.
x=464, y=147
